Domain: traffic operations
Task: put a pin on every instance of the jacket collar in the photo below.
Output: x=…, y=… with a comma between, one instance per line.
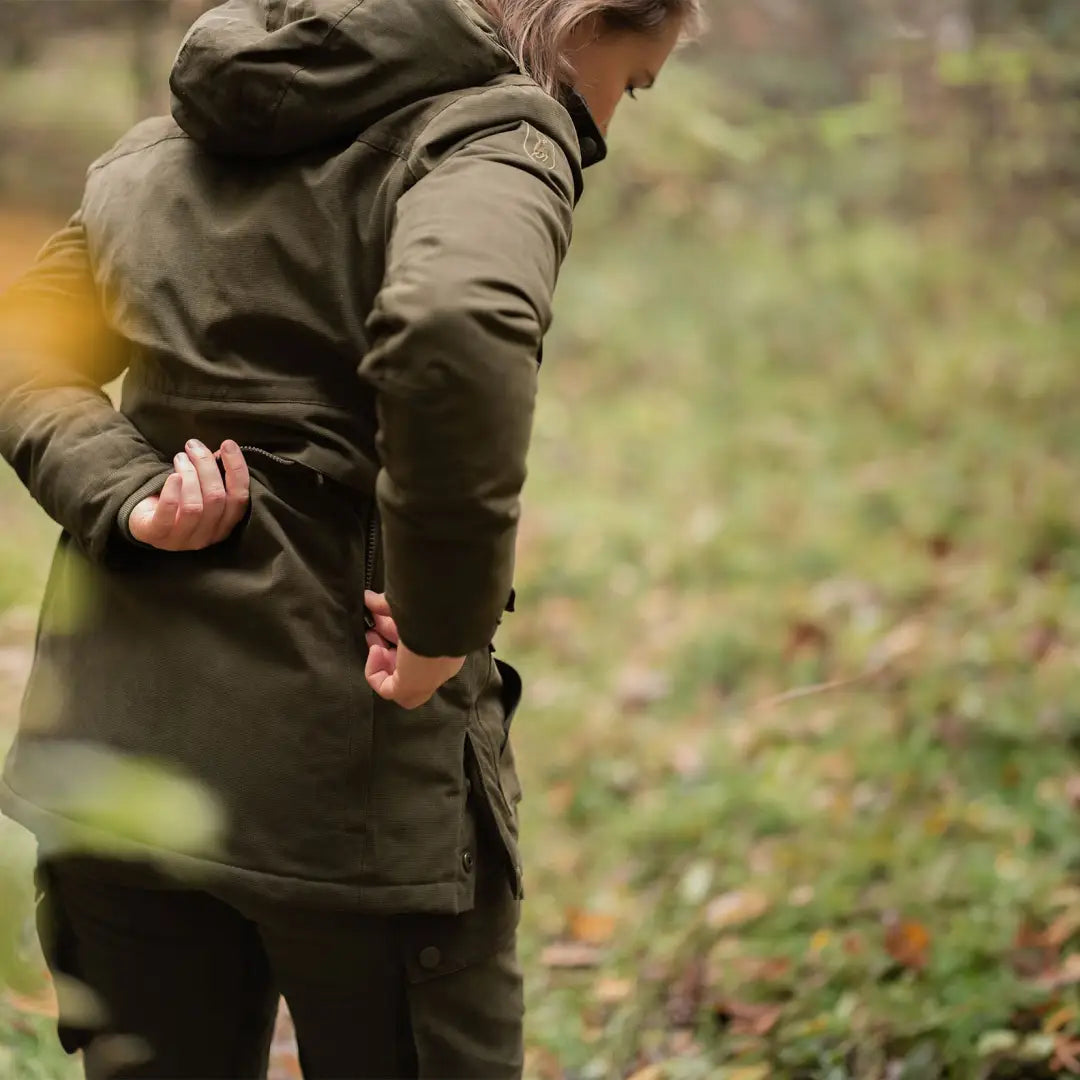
x=590, y=138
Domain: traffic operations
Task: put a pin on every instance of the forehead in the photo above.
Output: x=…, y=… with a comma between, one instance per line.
x=654, y=46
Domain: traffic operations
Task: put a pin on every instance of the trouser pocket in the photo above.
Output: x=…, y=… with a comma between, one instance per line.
x=464, y=982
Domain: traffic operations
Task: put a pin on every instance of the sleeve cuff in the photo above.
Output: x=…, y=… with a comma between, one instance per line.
x=152, y=486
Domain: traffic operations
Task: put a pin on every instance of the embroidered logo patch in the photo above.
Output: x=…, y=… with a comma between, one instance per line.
x=539, y=147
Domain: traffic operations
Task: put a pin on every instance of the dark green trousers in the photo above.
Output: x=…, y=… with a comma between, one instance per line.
x=188, y=984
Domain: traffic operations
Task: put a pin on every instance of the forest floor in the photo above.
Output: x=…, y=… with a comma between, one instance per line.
x=799, y=626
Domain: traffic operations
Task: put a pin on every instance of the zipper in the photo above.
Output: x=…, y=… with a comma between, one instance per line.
x=373, y=538
x=373, y=527
x=369, y=561
x=319, y=478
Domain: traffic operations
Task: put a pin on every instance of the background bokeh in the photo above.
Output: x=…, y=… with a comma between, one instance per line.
x=800, y=567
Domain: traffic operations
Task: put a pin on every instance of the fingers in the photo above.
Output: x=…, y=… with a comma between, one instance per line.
x=379, y=609
x=403, y=677
x=381, y=668
x=375, y=639
x=387, y=628
x=168, y=507
x=376, y=603
x=196, y=508
x=189, y=512
x=237, y=487
x=212, y=496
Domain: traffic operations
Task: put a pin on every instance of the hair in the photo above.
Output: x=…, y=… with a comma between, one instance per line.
x=534, y=31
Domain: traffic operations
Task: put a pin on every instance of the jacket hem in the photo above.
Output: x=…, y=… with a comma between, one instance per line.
x=57, y=833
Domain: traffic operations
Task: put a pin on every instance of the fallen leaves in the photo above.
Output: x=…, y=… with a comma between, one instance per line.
x=908, y=943
x=736, y=908
x=686, y=995
x=650, y=1072
x=587, y=932
x=1031, y=954
x=748, y=1072
x=688, y=760
x=803, y=637
x=1063, y=928
x=1067, y=973
x=1042, y=640
x=1036, y=951
x=542, y=1063
x=748, y=1018
x=1060, y=1019
x=590, y=927
x=940, y=546
x=637, y=688
x=1066, y=1055
x=571, y=955
x=560, y=797
x=899, y=644
x=763, y=969
x=613, y=991
x=1072, y=791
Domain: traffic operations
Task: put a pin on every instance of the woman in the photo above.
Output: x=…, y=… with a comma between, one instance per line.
x=327, y=276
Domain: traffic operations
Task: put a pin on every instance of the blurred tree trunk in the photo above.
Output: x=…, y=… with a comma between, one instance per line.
x=16, y=37
x=148, y=18
x=841, y=25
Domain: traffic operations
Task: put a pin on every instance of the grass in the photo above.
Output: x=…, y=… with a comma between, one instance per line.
x=762, y=466
x=839, y=458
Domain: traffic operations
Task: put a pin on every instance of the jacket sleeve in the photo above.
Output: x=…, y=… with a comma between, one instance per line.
x=476, y=247
x=81, y=459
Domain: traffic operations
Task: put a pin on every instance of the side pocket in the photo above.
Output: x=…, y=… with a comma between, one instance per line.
x=511, y=696
x=495, y=813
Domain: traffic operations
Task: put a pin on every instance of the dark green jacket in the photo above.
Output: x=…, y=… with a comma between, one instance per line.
x=340, y=251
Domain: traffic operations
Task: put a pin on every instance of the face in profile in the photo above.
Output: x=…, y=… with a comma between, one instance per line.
x=610, y=64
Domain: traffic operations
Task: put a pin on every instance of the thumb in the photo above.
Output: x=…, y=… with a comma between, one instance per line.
x=388, y=688
x=380, y=671
x=141, y=515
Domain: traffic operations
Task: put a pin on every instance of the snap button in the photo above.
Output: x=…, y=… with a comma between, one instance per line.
x=467, y=860
x=430, y=958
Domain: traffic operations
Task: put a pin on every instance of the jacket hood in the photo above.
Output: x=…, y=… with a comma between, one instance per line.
x=266, y=78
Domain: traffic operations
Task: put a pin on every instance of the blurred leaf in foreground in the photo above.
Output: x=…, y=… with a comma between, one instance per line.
x=105, y=803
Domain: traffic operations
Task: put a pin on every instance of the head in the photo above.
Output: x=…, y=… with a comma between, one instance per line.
x=604, y=49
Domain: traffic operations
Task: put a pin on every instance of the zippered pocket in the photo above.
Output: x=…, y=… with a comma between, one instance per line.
x=289, y=463
x=321, y=480
x=369, y=560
